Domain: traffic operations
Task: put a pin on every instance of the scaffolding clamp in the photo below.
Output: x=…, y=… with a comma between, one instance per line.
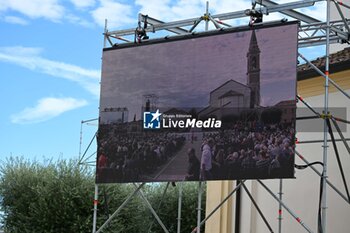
x=326, y=116
x=205, y=17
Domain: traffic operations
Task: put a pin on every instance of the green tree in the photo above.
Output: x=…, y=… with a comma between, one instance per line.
x=136, y=217
x=50, y=197
x=58, y=197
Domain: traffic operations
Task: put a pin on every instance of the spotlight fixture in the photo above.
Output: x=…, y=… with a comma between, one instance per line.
x=140, y=32
x=255, y=16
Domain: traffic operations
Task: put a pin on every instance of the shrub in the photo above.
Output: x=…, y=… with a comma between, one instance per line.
x=58, y=197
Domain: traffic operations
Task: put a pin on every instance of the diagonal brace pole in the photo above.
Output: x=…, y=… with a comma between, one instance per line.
x=286, y=207
x=221, y=203
x=336, y=3
x=127, y=200
x=257, y=207
x=151, y=209
x=338, y=158
x=92, y=140
x=309, y=106
x=195, y=24
x=341, y=134
x=319, y=174
x=341, y=3
x=160, y=204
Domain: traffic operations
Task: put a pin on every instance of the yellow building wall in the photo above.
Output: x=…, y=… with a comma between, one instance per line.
x=221, y=220
x=315, y=86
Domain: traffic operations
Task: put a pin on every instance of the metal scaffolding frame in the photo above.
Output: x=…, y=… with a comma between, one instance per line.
x=312, y=32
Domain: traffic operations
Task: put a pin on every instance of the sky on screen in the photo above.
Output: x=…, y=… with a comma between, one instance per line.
x=50, y=61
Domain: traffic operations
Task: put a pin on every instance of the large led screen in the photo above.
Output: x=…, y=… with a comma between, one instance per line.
x=208, y=106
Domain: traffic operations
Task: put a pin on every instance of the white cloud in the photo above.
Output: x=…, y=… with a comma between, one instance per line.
x=21, y=51
x=225, y=6
x=15, y=20
x=167, y=10
x=79, y=21
x=49, y=9
x=318, y=11
x=30, y=58
x=46, y=109
x=83, y=3
x=117, y=14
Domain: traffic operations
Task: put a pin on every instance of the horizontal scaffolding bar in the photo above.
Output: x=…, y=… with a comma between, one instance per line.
x=319, y=141
x=312, y=33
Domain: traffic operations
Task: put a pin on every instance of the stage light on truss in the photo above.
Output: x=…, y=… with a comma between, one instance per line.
x=255, y=16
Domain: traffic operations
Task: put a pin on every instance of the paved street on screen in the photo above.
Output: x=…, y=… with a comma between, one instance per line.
x=176, y=168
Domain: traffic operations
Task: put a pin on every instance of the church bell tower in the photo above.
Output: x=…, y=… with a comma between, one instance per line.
x=253, y=71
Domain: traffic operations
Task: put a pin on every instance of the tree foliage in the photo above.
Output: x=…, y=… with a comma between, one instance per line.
x=58, y=197
x=50, y=197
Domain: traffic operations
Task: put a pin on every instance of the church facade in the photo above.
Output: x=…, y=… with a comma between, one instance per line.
x=232, y=97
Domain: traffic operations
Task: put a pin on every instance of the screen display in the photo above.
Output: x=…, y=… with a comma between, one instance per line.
x=210, y=106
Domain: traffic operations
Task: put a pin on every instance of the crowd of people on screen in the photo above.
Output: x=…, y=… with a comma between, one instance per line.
x=124, y=157
x=241, y=151
x=244, y=152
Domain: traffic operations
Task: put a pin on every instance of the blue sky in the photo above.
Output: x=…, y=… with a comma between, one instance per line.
x=50, y=61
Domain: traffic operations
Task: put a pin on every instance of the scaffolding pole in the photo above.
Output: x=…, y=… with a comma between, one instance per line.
x=81, y=138
x=206, y=16
x=86, y=150
x=179, y=205
x=280, y=208
x=94, y=220
x=325, y=127
x=199, y=207
x=105, y=36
